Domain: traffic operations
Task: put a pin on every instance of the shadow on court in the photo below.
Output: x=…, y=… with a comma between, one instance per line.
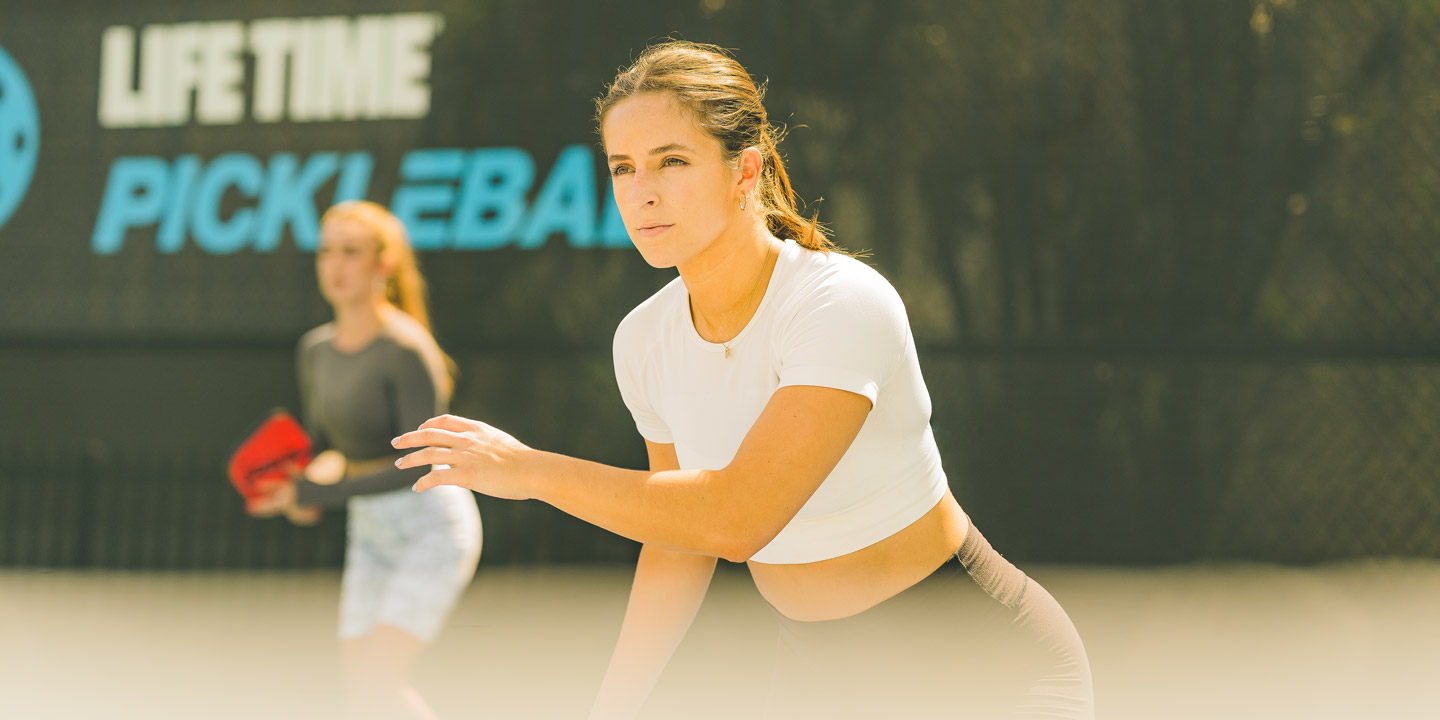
x=1234, y=641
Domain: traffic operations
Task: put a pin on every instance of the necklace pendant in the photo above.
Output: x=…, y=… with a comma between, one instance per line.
x=727, y=352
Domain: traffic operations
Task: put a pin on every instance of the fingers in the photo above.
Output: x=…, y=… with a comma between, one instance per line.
x=434, y=478
x=453, y=423
x=304, y=516
x=263, y=511
x=427, y=456
x=264, y=508
x=428, y=437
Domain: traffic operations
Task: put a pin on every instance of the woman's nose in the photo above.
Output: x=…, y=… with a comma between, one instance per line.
x=644, y=189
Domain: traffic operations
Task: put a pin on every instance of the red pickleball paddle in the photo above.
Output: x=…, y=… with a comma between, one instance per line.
x=269, y=457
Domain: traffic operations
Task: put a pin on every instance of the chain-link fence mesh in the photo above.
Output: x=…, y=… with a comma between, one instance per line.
x=1173, y=269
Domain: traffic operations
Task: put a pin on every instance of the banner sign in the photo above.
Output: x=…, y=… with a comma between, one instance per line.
x=134, y=144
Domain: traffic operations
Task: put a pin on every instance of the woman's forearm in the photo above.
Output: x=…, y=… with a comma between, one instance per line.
x=360, y=478
x=668, y=590
x=731, y=512
x=694, y=511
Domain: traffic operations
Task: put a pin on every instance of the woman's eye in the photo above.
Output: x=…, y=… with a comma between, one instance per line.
x=619, y=170
x=673, y=161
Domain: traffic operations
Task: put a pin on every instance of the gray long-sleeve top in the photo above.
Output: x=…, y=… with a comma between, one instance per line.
x=357, y=402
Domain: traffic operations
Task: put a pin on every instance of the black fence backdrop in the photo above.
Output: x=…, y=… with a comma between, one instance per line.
x=1173, y=270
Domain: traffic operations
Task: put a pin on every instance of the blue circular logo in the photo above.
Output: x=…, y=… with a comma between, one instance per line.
x=19, y=135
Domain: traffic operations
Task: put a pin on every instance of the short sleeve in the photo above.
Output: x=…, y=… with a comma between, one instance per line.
x=634, y=374
x=849, y=333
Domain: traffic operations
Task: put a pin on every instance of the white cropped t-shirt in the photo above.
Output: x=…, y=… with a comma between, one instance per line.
x=826, y=319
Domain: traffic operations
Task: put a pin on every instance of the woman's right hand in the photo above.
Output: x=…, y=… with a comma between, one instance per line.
x=303, y=515
x=470, y=454
x=273, y=503
x=281, y=501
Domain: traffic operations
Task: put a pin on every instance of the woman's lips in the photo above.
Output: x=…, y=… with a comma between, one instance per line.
x=650, y=231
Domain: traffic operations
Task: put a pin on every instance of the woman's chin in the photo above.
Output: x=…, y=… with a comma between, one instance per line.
x=657, y=257
x=340, y=296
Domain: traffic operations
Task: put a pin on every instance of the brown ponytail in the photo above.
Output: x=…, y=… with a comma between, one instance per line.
x=730, y=107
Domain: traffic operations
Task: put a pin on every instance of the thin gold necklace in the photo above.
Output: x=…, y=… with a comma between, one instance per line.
x=748, y=301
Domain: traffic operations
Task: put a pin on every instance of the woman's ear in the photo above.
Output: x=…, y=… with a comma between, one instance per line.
x=387, y=267
x=752, y=164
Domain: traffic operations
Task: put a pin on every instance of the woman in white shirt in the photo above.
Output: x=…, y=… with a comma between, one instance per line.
x=776, y=384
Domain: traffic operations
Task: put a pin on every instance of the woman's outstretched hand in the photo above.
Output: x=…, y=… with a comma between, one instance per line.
x=467, y=453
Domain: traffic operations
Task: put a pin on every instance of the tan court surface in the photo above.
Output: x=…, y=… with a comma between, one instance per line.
x=1356, y=640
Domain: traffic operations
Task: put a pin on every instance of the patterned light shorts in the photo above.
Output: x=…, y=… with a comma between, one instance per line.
x=408, y=558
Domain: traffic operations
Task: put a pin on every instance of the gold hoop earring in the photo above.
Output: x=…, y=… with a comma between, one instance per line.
x=742, y=202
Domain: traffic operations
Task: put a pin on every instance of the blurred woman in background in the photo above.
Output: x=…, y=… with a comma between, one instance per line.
x=371, y=373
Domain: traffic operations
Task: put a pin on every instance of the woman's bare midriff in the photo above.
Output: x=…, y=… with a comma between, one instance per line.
x=845, y=585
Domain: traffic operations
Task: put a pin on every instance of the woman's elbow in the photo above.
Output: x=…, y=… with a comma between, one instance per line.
x=742, y=524
x=739, y=544
x=736, y=552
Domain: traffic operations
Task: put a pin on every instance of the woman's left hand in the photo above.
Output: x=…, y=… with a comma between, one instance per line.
x=468, y=454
